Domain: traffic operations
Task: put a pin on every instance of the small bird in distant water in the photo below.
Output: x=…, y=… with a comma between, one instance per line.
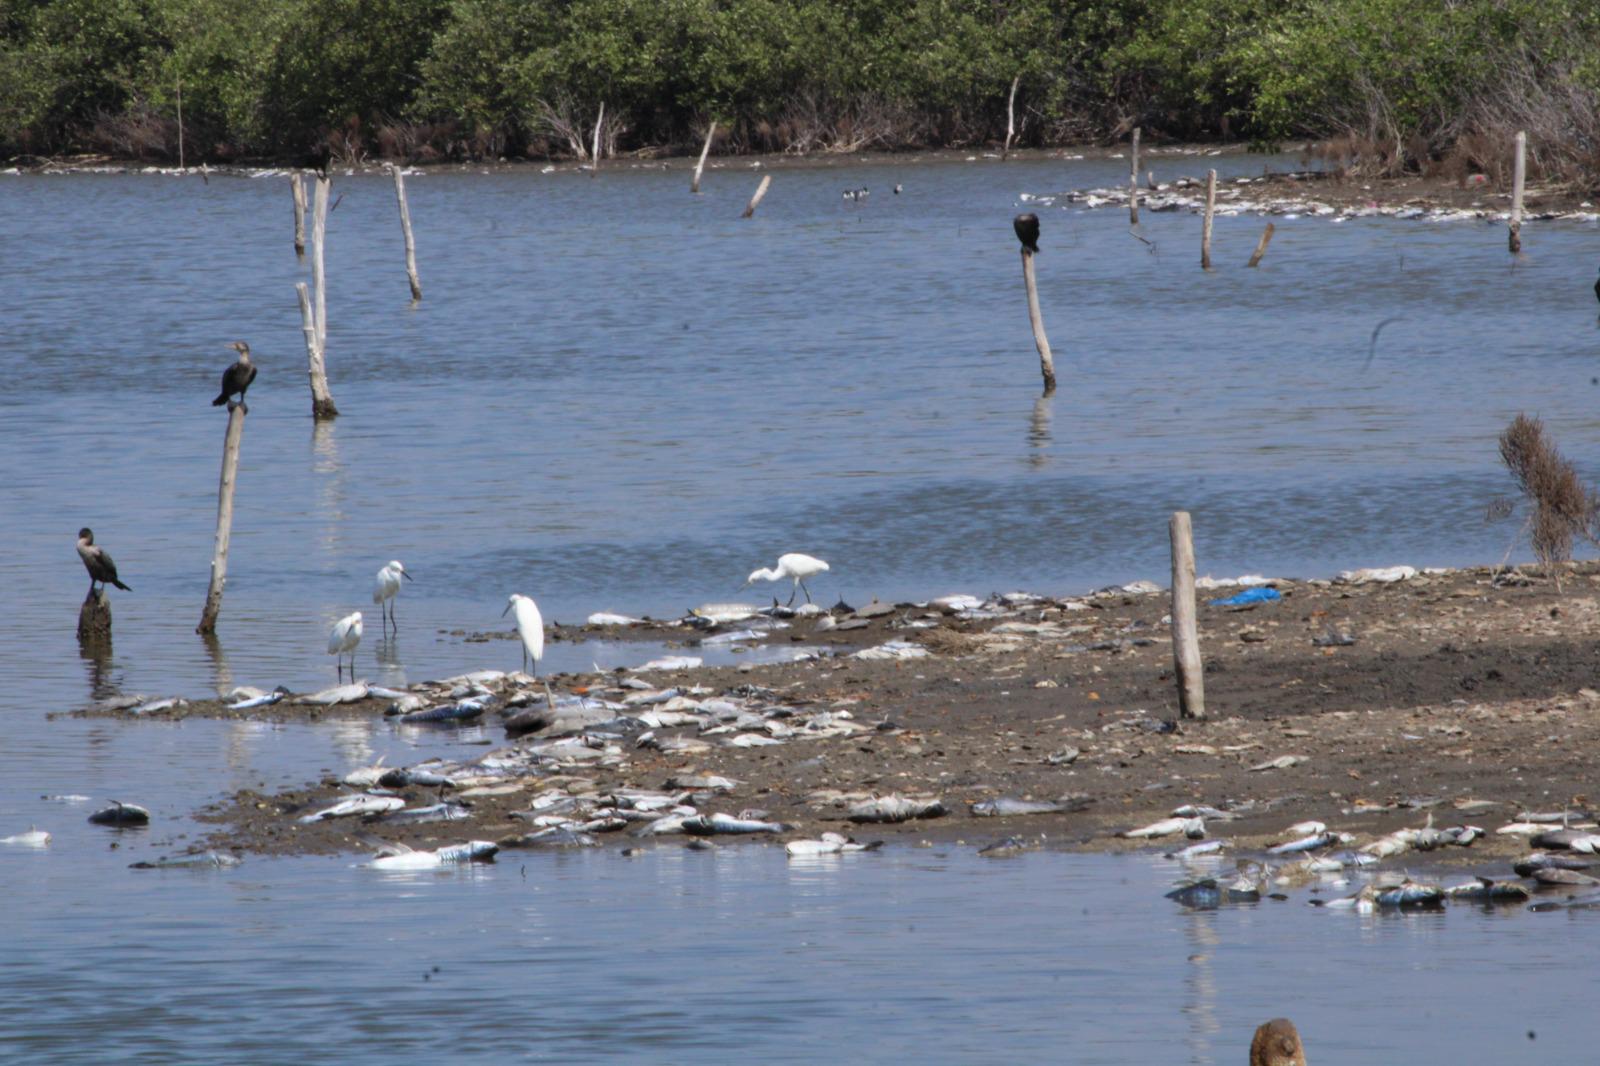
x=343, y=640
x=1027, y=227
x=237, y=377
x=792, y=564
x=97, y=561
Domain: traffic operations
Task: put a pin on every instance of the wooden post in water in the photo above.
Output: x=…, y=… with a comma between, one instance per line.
x=219, y=555
x=1027, y=228
x=1133, y=182
x=1185, y=628
x=405, y=226
x=94, y=617
x=1261, y=246
x=297, y=188
x=761, y=190
x=705, y=150
x=1205, y=227
x=1519, y=176
x=1011, y=117
x=599, y=124
x=322, y=405
x=180, y=125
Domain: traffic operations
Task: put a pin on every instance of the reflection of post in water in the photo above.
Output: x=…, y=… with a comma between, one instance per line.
x=95, y=651
x=329, y=471
x=1039, y=431
x=221, y=673
x=1200, y=985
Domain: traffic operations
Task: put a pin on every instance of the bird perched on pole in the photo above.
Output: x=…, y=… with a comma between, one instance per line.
x=237, y=377
x=792, y=564
x=1027, y=227
x=98, y=562
x=344, y=638
x=387, y=587
x=530, y=627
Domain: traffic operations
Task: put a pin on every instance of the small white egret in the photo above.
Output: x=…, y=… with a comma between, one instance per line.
x=344, y=638
x=793, y=564
x=530, y=627
x=386, y=588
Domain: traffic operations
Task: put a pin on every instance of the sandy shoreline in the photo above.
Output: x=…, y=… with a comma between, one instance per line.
x=1464, y=695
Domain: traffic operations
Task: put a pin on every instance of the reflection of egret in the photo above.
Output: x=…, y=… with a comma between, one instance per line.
x=530, y=627
x=343, y=640
x=386, y=588
x=792, y=564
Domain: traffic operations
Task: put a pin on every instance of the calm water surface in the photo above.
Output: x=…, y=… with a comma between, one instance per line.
x=618, y=396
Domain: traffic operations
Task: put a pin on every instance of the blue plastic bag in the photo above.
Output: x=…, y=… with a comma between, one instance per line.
x=1260, y=594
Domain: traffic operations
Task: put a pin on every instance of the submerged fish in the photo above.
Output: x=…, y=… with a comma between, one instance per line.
x=354, y=805
x=1543, y=861
x=1484, y=890
x=830, y=844
x=1194, y=851
x=33, y=838
x=121, y=814
x=710, y=824
x=1003, y=849
x=70, y=797
x=460, y=711
x=555, y=837
x=211, y=860
x=671, y=662
x=1208, y=894
x=896, y=809
x=609, y=618
x=266, y=699
x=401, y=857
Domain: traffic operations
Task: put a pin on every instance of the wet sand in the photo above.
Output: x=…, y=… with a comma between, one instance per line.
x=1400, y=700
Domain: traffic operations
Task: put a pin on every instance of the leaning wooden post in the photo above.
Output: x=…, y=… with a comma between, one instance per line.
x=322, y=405
x=1205, y=227
x=1011, y=121
x=1027, y=227
x=1185, y=629
x=297, y=187
x=705, y=150
x=1261, y=246
x=599, y=123
x=219, y=555
x=180, y=125
x=1519, y=176
x=94, y=617
x=1133, y=182
x=761, y=190
x=405, y=226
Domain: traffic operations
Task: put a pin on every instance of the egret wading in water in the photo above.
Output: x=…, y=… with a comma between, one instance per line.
x=530, y=627
x=237, y=377
x=343, y=640
x=795, y=565
x=386, y=588
x=98, y=562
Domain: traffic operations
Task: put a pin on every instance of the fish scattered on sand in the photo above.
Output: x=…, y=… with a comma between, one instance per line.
x=266, y=699
x=896, y=809
x=465, y=710
x=351, y=806
x=712, y=824
x=328, y=697
x=1193, y=828
x=1008, y=807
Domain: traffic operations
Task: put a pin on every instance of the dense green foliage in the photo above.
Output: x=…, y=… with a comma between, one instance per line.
x=1403, y=81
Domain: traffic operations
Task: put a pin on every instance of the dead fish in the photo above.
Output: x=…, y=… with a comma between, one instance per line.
x=1308, y=843
x=1196, y=810
x=1588, y=901
x=710, y=824
x=1208, y=894
x=434, y=812
x=1193, y=828
x=750, y=740
x=415, y=775
x=1551, y=875
x=1003, y=849
x=670, y=662
x=556, y=837
x=1580, y=840
x=69, y=797
x=211, y=860
x=461, y=711
x=703, y=782
x=350, y=693
x=1562, y=818
x=1195, y=851
x=1412, y=894
x=717, y=613
x=33, y=838
x=1543, y=861
x=1300, y=829
x=830, y=844
x=354, y=805
x=365, y=776
x=157, y=706
x=609, y=618
x=1282, y=762
x=1006, y=807
x=401, y=857
x=1483, y=890
x=896, y=809
x=734, y=637
x=266, y=699
x=121, y=814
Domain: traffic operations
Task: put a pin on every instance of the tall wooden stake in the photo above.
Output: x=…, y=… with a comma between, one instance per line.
x=1047, y=362
x=219, y=555
x=599, y=124
x=1519, y=176
x=1133, y=182
x=1261, y=246
x=1185, y=628
x=405, y=226
x=180, y=125
x=705, y=150
x=1205, y=228
x=761, y=190
x=1011, y=117
x=297, y=188
x=322, y=405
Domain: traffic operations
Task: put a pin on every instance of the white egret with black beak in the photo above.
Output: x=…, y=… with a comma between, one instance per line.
x=386, y=588
x=343, y=640
x=793, y=564
x=530, y=627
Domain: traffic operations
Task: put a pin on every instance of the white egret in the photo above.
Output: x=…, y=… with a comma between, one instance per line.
x=344, y=638
x=793, y=564
x=530, y=627
x=386, y=588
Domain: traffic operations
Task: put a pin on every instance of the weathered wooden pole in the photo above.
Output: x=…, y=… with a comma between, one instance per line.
x=1027, y=228
x=405, y=226
x=1261, y=246
x=1519, y=174
x=1011, y=117
x=599, y=124
x=1185, y=628
x=94, y=617
x=297, y=188
x=1205, y=228
x=761, y=190
x=180, y=124
x=705, y=150
x=219, y=555
x=322, y=405
x=1133, y=182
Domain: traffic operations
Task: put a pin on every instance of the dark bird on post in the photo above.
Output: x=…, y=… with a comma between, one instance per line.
x=1597, y=290
x=237, y=377
x=97, y=561
x=1027, y=227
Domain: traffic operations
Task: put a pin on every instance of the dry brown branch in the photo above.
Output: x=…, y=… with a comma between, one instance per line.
x=1562, y=507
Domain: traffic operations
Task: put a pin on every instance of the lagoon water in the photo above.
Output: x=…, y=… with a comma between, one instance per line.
x=618, y=396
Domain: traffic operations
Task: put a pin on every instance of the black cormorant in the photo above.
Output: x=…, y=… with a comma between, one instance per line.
x=237, y=377
x=1027, y=227
x=97, y=561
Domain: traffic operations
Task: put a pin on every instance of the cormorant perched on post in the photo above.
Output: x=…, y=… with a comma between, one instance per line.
x=1027, y=227
x=97, y=561
x=237, y=377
